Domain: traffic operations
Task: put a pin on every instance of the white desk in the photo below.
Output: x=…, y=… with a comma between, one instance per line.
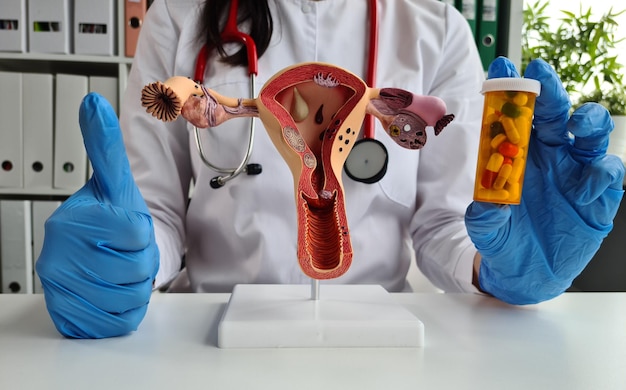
x=576, y=341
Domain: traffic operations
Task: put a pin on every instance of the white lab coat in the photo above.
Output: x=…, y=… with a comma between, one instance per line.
x=246, y=231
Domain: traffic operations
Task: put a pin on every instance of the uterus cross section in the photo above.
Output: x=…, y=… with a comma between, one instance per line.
x=313, y=113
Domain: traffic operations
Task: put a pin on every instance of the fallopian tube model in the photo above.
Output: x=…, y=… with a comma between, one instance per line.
x=313, y=114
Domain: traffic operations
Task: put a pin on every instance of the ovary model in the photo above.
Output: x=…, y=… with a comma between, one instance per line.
x=313, y=113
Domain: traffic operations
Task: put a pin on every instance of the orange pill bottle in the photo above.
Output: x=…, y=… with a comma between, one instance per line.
x=504, y=137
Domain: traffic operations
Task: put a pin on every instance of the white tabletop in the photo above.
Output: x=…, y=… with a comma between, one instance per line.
x=576, y=341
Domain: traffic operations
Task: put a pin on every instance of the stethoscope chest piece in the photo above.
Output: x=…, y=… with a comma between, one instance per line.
x=367, y=161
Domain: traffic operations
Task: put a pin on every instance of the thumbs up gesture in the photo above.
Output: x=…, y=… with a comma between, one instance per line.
x=99, y=256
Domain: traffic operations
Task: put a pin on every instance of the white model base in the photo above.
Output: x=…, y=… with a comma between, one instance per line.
x=285, y=316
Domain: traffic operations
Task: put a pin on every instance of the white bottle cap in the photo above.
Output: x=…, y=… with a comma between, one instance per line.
x=512, y=84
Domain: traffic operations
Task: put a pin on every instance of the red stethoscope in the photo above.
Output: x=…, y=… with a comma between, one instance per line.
x=367, y=162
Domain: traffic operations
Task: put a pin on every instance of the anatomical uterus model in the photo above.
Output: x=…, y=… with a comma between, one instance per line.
x=313, y=113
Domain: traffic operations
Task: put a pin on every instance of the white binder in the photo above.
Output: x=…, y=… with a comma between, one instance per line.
x=13, y=25
x=49, y=26
x=70, y=158
x=15, y=247
x=94, y=27
x=38, y=103
x=41, y=211
x=11, y=136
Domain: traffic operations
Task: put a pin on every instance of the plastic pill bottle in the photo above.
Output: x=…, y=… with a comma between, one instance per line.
x=504, y=137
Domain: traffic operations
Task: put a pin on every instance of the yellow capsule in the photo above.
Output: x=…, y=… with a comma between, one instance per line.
x=525, y=121
x=503, y=174
x=491, y=118
x=486, y=195
x=497, y=140
x=510, y=129
x=520, y=99
x=522, y=124
x=499, y=183
x=526, y=111
x=514, y=190
x=505, y=170
x=516, y=171
x=495, y=162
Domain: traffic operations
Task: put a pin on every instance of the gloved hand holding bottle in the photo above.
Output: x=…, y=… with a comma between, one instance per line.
x=99, y=256
x=572, y=189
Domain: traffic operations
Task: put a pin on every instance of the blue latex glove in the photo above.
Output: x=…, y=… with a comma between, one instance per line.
x=99, y=256
x=572, y=190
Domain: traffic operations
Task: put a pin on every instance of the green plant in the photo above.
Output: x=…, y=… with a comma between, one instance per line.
x=614, y=101
x=581, y=50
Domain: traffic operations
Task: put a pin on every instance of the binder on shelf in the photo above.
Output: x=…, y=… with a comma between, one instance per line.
x=70, y=158
x=107, y=87
x=469, y=9
x=487, y=31
x=15, y=247
x=134, y=12
x=38, y=119
x=94, y=27
x=13, y=25
x=11, y=135
x=41, y=210
x=49, y=26
x=509, y=37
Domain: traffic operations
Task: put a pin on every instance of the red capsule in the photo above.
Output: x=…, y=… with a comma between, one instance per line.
x=488, y=178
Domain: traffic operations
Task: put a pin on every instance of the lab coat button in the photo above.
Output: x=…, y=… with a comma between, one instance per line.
x=306, y=7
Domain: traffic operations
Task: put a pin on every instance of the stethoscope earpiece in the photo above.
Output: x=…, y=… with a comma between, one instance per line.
x=254, y=169
x=217, y=182
x=250, y=169
x=367, y=161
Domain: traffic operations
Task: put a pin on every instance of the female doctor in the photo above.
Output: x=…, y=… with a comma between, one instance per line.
x=122, y=234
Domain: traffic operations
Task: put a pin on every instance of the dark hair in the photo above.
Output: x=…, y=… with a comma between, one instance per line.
x=255, y=13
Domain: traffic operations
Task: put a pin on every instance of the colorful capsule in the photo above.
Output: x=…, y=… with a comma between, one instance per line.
x=511, y=130
x=487, y=195
x=508, y=149
x=520, y=99
x=516, y=171
x=514, y=190
x=523, y=124
x=495, y=162
x=492, y=168
x=488, y=178
x=503, y=175
x=497, y=140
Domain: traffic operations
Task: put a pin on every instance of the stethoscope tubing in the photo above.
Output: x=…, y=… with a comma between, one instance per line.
x=372, y=63
x=231, y=33
x=229, y=173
